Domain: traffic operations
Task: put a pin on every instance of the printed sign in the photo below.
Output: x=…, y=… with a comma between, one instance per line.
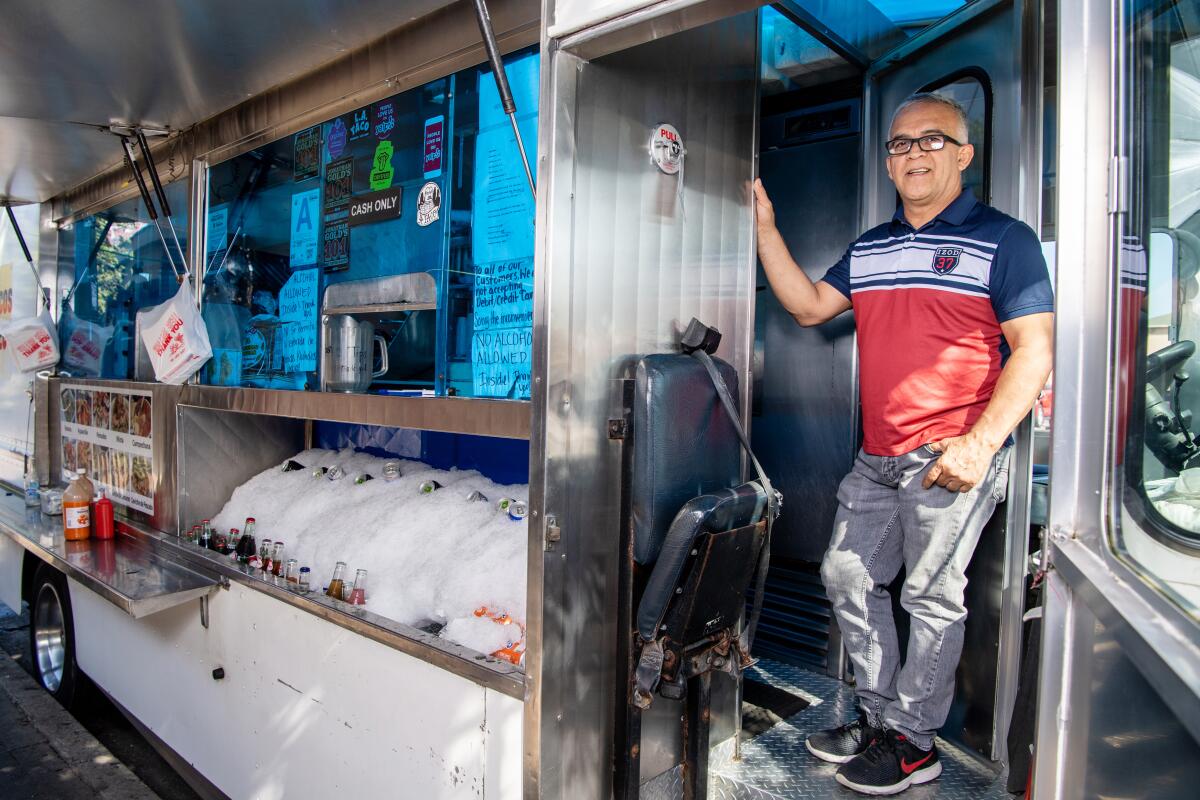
x=381, y=167
x=306, y=217
x=218, y=228
x=666, y=149
x=298, y=310
x=501, y=202
x=306, y=162
x=385, y=119
x=504, y=295
x=361, y=126
x=335, y=143
x=339, y=176
x=500, y=362
x=108, y=433
x=375, y=207
x=335, y=246
x=6, y=292
x=432, y=164
x=429, y=204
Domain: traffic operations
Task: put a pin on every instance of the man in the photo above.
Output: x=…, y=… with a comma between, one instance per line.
x=953, y=308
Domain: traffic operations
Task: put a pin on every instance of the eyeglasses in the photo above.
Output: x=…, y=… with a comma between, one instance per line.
x=934, y=141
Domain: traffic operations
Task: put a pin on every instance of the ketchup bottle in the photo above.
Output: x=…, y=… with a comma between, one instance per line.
x=102, y=518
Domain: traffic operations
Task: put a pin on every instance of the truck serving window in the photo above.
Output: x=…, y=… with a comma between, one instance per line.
x=1158, y=301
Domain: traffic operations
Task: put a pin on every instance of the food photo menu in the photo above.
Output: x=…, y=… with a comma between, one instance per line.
x=108, y=433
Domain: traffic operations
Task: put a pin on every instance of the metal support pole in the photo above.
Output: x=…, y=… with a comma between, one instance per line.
x=510, y=107
x=37, y=279
x=695, y=737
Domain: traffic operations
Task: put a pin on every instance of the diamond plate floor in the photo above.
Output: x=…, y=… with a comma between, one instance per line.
x=776, y=766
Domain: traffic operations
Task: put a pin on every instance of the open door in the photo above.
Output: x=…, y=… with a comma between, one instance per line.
x=988, y=58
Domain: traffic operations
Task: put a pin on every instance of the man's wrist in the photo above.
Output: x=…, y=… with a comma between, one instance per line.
x=992, y=440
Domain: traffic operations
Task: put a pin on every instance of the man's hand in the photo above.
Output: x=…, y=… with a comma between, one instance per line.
x=964, y=463
x=764, y=210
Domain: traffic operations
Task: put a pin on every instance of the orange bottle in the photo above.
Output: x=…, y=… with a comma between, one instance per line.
x=76, y=500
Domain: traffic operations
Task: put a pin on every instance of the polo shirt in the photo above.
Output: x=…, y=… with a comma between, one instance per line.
x=928, y=304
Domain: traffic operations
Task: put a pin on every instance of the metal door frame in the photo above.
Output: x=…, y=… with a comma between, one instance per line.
x=1087, y=584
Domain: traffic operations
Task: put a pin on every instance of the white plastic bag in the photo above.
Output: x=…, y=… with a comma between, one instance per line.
x=33, y=342
x=175, y=336
x=84, y=344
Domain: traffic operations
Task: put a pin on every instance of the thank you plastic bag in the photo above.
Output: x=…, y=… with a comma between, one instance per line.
x=33, y=342
x=175, y=336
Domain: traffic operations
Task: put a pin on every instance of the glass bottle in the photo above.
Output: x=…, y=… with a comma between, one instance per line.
x=291, y=572
x=358, y=595
x=337, y=581
x=305, y=579
x=264, y=555
x=277, y=559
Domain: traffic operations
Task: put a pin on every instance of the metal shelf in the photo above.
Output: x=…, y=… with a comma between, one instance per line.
x=508, y=419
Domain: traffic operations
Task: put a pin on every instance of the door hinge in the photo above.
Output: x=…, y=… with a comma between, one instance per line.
x=1118, y=185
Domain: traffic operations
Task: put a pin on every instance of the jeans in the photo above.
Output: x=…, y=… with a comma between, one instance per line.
x=886, y=519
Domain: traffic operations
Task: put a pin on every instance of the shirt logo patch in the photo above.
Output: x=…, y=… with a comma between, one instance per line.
x=945, y=259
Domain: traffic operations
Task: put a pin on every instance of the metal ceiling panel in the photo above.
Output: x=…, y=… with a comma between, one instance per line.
x=71, y=67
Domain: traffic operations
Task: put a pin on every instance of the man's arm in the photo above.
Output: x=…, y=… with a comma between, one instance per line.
x=809, y=303
x=965, y=459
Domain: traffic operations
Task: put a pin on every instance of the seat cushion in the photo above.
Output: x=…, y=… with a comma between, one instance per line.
x=684, y=444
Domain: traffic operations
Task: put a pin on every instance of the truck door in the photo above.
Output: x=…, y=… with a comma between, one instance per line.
x=987, y=57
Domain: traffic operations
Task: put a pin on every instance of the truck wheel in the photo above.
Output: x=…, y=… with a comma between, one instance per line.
x=52, y=635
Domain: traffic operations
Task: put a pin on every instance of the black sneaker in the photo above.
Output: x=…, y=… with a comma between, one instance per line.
x=889, y=766
x=839, y=745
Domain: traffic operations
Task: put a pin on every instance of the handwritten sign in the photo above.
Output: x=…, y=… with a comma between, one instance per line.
x=298, y=311
x=306, y=219
x=306, y=162
x=504, y=295
x=501, y=361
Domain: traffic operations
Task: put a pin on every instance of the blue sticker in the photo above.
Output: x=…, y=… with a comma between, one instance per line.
x=361, y=126
x=306, y=223
x=385, y=119
x=337, y=138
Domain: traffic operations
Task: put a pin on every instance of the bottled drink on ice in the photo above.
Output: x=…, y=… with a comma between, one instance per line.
x=518, y=510
x=232, y=542
x=477, y=497
x=391, y=470
x=337, y=581
x=292, y=466
x=264, y=555
x=429, y=487
x=358, y=595
x=503, y=503
x=363, y=477
x=336, y=473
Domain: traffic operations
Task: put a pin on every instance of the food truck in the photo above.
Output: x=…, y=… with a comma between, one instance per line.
x=457, y=305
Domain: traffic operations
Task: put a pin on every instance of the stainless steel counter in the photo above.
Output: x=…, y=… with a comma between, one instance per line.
x=143, y=571
x=122, y=570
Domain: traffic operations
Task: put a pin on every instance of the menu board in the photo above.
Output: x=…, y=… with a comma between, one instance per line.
x=108, y=433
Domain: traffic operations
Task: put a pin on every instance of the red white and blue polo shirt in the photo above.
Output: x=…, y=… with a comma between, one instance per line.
x=928, y=305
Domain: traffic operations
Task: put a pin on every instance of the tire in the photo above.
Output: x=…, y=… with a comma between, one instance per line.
x=52, y=636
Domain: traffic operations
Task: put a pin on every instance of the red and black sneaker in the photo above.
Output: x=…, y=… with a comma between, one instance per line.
x=889, y=766
x=839, y=745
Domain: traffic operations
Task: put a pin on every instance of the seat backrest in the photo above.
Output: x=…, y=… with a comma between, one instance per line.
x=684, y=444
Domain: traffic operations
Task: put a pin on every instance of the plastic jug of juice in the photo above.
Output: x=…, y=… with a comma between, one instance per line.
x=77, y=500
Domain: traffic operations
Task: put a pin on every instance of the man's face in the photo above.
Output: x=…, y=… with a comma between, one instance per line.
x=933, y=176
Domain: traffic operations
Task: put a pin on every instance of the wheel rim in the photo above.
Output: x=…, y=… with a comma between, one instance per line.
x=49, y=637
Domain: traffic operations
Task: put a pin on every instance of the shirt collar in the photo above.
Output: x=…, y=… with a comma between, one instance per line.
x=954, y=214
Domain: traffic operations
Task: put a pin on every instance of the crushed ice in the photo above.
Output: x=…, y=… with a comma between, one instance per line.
x=431, y=558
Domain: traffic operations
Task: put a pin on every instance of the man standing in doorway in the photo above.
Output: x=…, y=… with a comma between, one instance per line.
x=954, y=314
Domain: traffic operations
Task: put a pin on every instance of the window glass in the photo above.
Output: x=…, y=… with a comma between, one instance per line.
x=389, y=249
x=18, y=298
x=111, y=265
x=1159, y=301
x=970, y=92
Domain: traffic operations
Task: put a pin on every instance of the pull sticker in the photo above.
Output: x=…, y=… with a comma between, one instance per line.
x=666, y=149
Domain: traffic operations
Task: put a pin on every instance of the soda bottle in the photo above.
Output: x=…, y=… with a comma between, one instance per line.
x=231, y=544
x=291, y=573
x=77, y=500
x=205, y=539
x=277, y=559
x=305, y=580
x=31, y=483
x=264, y=555
x=337, y=581
x=102, y=521
x=358, y=595
x=219, y=542
x=429, y=487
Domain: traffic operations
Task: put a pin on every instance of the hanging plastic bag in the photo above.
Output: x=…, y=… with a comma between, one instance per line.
x=84, y=344
x=175, y=336
x=33, y=342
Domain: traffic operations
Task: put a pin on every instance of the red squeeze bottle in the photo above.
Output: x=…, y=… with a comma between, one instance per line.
x=102, y=518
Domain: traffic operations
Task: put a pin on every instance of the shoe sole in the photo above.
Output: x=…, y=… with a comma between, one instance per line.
x=920, y=776
x=827, y=757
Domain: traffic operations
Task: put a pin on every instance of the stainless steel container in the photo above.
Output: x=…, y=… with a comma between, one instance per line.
x=349, y=346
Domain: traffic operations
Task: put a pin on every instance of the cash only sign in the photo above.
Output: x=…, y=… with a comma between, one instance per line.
x=375, y=206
